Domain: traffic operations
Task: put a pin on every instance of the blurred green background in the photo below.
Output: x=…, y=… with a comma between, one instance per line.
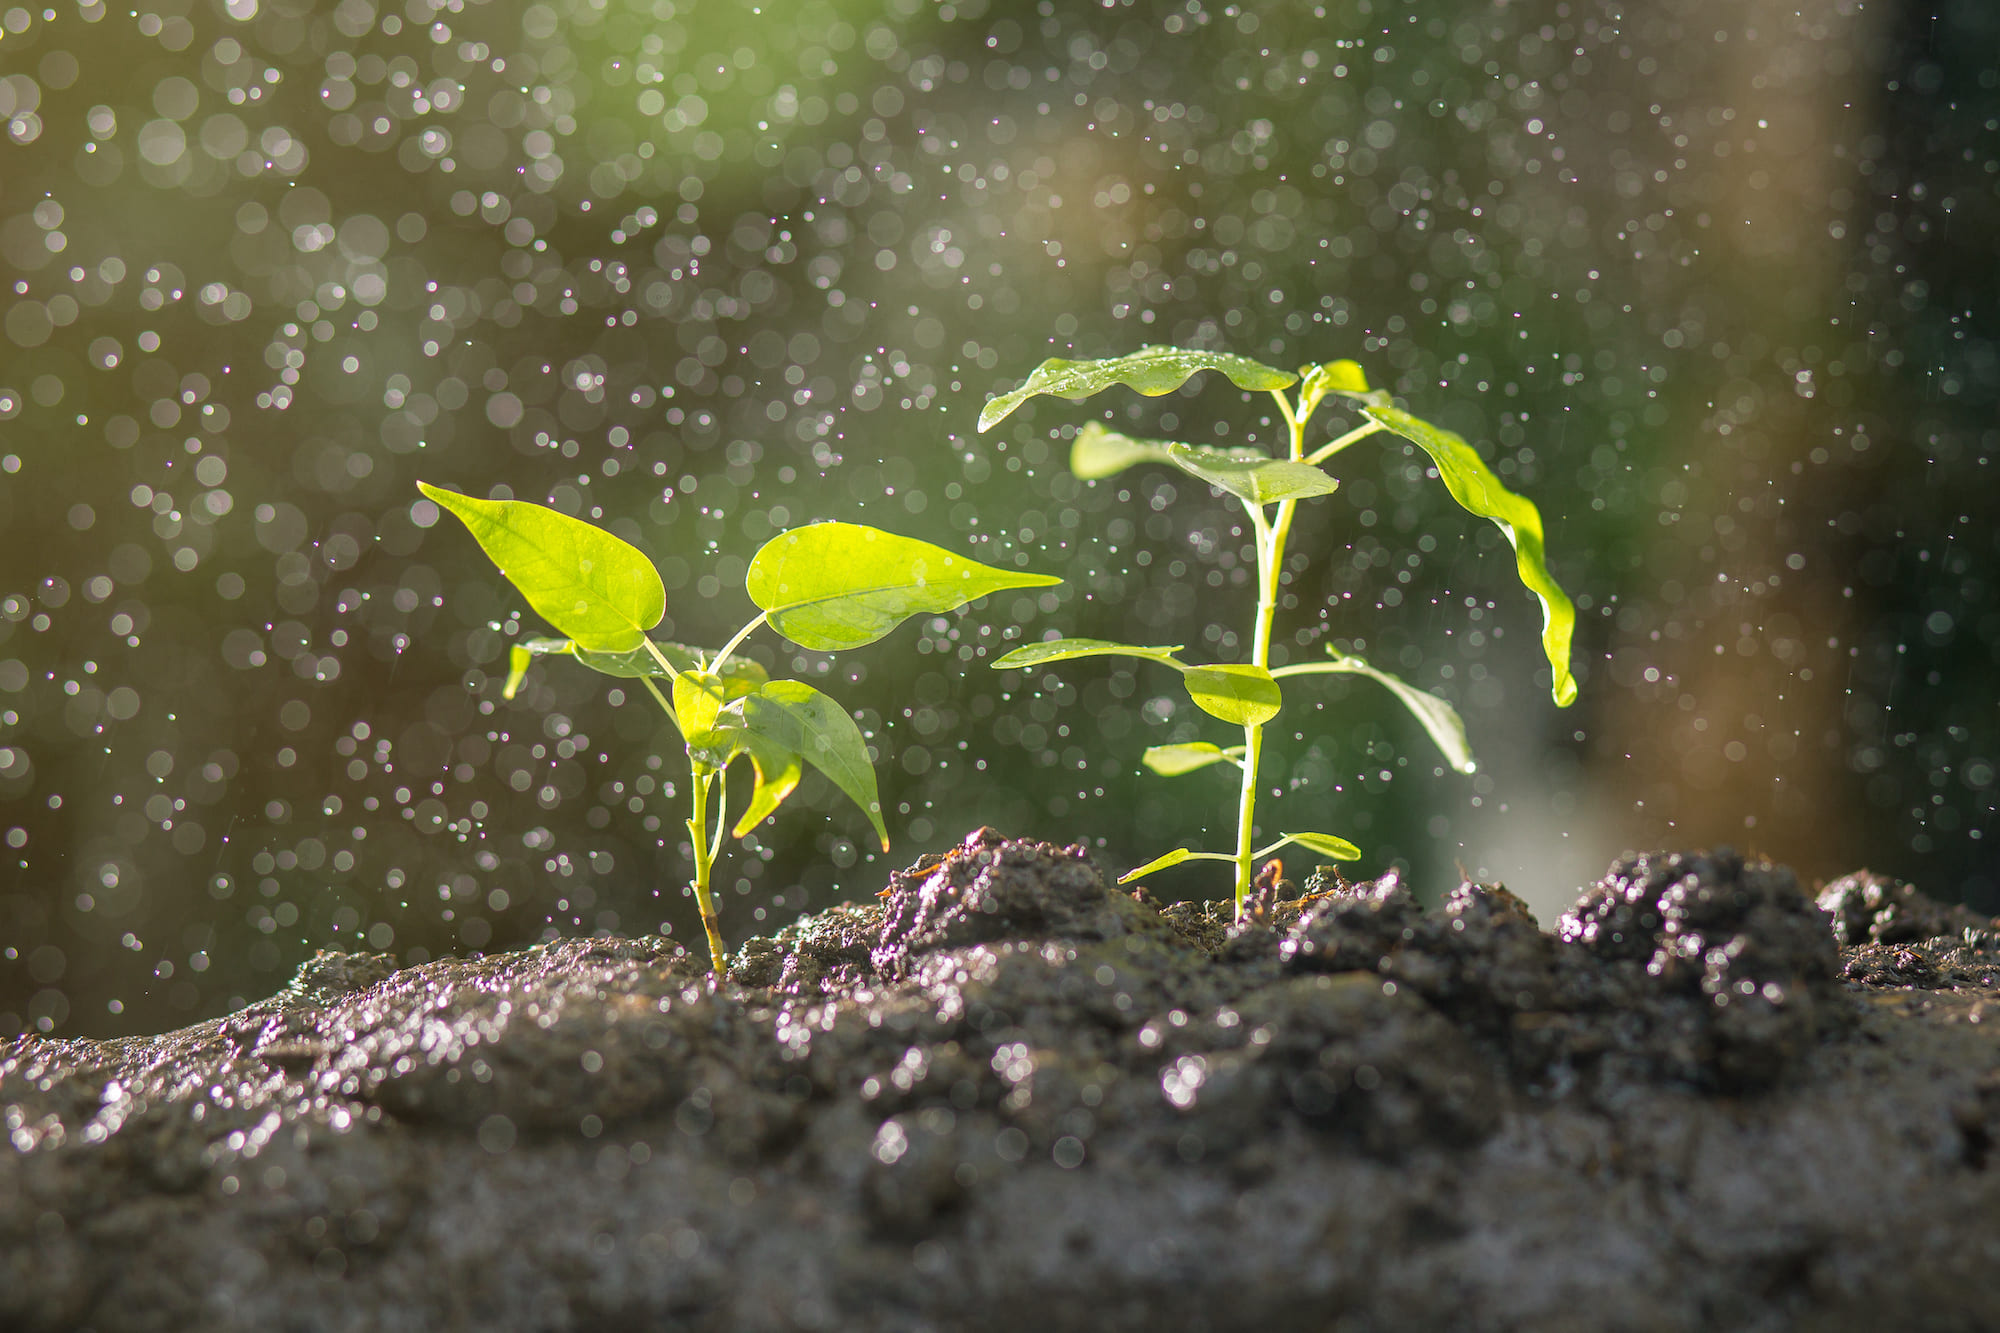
x=1712, y=281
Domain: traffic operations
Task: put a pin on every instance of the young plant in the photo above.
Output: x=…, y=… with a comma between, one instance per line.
x=1247, y=694
x=827, y=587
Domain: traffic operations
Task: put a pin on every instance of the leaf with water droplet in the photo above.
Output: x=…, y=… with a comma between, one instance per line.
x=600, y=591
x=1171, y=761
x=1064, y=650
x=1247, y=474
x=841, y=585
x=1151, y=370
x=1479, y=491
x=1235, y=692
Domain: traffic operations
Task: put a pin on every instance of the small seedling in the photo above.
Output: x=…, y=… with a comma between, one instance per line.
x=1247, y=694
x=829, y=586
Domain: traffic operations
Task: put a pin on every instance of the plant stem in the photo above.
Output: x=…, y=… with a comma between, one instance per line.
x=1271, y=538
x=704, y=860
x=1246, y=812
x=665, y=665
x=1361, y=432
x=706, y=849
x=732, y=645
x=661, y=700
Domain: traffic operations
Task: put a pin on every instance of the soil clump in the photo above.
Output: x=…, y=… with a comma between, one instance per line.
x=1010, y=1093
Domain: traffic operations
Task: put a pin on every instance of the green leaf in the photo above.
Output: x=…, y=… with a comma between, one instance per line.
x=517, y=668
x=1261, y=481
x=1474, y=486
x=1235, y=692
x=1171, y=761
x=739, y=672
x=722, y=737
x=1151, y=370
x=1247, y=474
x=698, y=701
x=777, y=777
x=800, y=720
x=1064, y=650
x=1098, y=453
x=1173, y=858
x=840, y=585
x=1345, y=378
x=1340, y=849
x=1440, y=719
x=600, y=591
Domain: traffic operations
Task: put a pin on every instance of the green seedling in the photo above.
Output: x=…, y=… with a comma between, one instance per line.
x=827, y=587
x=1247, y=694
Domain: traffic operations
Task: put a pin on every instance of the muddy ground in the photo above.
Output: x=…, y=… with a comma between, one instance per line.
x=1010, y=1095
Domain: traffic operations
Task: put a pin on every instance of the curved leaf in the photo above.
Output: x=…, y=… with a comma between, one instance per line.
x=1098, y=452
x=777, y=777
x=698, y=702
x=739, y=672
x=1340, y=849
x=1247, y=474
x=1474, y=486
x=1064, y=650
x=1261, y=481
x=1151, y=370
x=717, y=737
x=1173, y=858
x=1440, y=719
x=1343, y=377
x=798, y=718
x=600, y=591
x=1235, y=692
x=840, y=585
x=1171, y=761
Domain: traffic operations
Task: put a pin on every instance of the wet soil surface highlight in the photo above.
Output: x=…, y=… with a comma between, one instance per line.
x=1011, y=1093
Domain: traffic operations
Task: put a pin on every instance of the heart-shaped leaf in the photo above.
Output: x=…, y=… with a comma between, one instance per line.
x=1064, y=650
x=1171, y=761
x=1479, y=491
x=1151, y=370
x=840, y=585
x=600, y=591
x=800, y=720
x=1235, y=692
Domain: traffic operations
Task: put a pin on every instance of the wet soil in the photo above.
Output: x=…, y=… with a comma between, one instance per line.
x=1010, y=1094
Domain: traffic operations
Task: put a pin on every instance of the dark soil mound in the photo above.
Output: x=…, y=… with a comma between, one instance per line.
x=1011, y=1094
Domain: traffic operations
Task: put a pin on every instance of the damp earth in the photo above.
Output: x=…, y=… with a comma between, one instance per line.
x=1009, y=1091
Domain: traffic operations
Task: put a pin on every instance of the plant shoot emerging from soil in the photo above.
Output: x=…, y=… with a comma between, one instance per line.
x=825, y=587
x=1247, y=694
